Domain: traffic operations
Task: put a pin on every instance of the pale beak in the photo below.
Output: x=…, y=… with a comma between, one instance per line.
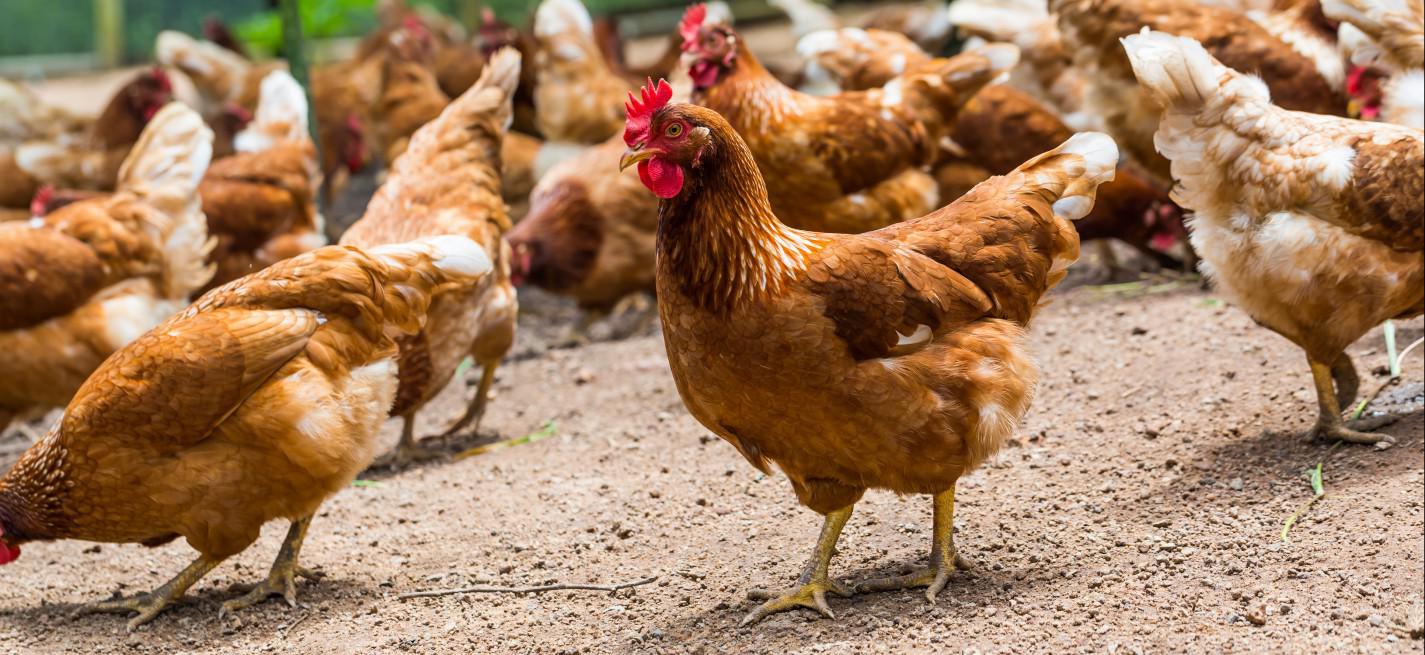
x=634, y=155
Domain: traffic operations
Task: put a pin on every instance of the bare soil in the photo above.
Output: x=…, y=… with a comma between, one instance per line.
x=1140, y=509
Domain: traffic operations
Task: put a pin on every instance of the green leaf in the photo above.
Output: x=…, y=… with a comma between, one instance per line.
x=365, y=483
x=1316, y=486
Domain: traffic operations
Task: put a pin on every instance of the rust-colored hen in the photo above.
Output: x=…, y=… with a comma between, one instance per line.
x=845, y=163
x=256, y=403
x=262, y=202
x=448, y=182
x=895, y=359
x=97, y=273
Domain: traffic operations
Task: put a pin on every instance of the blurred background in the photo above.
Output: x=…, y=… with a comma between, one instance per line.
x=40, y=38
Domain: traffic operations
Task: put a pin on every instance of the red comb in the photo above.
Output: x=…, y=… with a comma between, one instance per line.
x=692, y=21
x=162, y=77
x=39, y=205
x=640, y=111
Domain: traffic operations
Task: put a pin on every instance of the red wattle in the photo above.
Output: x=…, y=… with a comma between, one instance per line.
x=704, y=74
x=8, y=553
x=662, y=177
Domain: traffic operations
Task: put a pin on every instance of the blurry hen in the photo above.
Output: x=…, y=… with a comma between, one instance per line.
x=844, y=163
x=261, y=203
x=95, y=274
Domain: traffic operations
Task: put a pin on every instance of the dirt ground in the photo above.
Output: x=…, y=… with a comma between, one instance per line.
x=1140, y=509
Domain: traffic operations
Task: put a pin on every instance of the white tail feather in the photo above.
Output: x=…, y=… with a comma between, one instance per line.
x=163, y=169
x=455, y=255
x=1176, y=70
x=555, y=17
x=281, y=115
x=216, y=71
x=1099, y=155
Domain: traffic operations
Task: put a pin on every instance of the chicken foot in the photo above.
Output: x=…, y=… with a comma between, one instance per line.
x=149, y=605
x=282, y=579
x=406, y=450
x=1329, y=424
x=944, y=559
x=814, y=582
x=476, y=410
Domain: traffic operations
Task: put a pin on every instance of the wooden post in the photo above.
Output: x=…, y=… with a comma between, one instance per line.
x=109, y=32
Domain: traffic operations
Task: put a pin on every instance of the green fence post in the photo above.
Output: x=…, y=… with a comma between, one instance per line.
x=294, y=49
x=109, y=32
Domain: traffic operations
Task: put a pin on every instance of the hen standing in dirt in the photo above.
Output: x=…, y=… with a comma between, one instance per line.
x=894, y=359
x=448, y=182
x=255, y=403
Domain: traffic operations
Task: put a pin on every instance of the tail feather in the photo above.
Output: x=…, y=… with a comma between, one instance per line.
x=557, y=17
x=1180, y=74
x=416, y=269
x=163, y=170
x=935, y=91
x=281, y=115
x=217, y=72
x=1007, y=21
x=1076, y=169
x=807, y=16
x=491, y=96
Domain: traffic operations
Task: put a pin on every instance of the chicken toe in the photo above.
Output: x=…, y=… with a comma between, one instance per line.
x=944, y=559
x=814, y=582
x=282, y=579
x=147, y=606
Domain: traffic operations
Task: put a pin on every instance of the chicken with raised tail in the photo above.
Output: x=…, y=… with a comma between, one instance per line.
x=448, y=182
x=845, y=163
x=255, y=403
x=1312, y=224
x=88, y=278
x=896, y=359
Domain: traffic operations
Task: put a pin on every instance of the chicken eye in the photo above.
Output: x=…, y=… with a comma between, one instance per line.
x=674, y=130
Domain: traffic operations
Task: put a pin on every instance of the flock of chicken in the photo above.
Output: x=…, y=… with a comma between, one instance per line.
x=845, y=257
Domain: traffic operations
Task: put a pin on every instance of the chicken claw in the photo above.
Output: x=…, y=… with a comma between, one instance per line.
x=814, y=581
x=1329, y=424
x=282, y=579
x=811, y=595
x=150, y=604
x=943, y=557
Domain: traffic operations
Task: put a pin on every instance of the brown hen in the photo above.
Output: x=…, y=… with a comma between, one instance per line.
x=97, y=273
x=262, y=202
x=257, y=402
x=895, y=359
x=845, y=163
x=448, y=182
x=1314, y=225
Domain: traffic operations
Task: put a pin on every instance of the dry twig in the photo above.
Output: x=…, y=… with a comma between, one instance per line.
x=482, y=589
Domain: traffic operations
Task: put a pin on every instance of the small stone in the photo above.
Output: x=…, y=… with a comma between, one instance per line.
x=1236, y=484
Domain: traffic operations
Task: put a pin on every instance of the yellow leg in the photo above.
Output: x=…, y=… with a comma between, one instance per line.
x=282, y=579
x=943, y=557
x=1329, y=424
x=406, y=450
x=476, y=410
x=150, y=604
x=814, y=582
